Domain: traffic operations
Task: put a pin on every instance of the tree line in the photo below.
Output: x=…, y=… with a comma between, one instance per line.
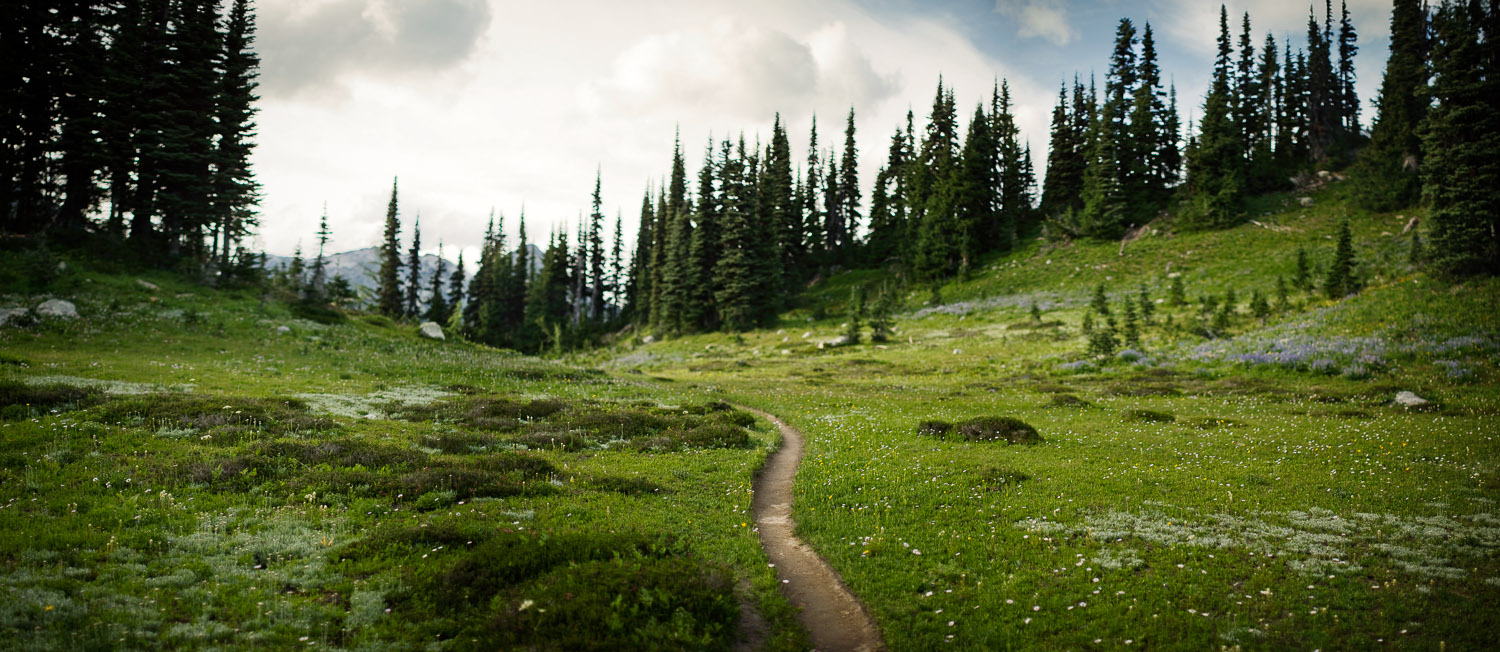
x=133, y=118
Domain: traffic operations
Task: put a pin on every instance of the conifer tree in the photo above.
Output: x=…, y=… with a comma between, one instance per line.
x=841, y=233
x=437, y=307
x=781, y=203
x=812, y=197
x=1340, y=281
x=596, y=258
x=1064, y=181
x=700, y=311
x=616, y=280
x=881, y=311
x=389, y=298
x=638, y=291
x=668, y=315
x=1460, y=138
x=412, y=308
x=235, y=190
x=456, y=285
x=856, y=314
x=744, y=277
x=1176, y=295
x=1147, y=307
x=319, y=273
x=1215, y=166
x=1132, y=331
x=1387, y=174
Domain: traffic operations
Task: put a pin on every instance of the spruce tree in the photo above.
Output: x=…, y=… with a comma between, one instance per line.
x=1064, y=180
x=744, y=277
x=1176, y=295
x=456, y=284
x=616, y=279
x=1387, y=174
x=1132, y=332
x=388, y=293
x=638, y=291
x=1147, y=307
x=1302, y=276
x=235, y=190
x=319, y=272
x=437, y=307
x=1215, y=168
x=1460, y=138
x=856, y=314
x=1340, y=281
x=781, y=202
x=412, y=308
x=841, y=235
x=700, y=311
x=596, y=258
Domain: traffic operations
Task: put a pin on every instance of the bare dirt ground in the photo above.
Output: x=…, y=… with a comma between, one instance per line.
x=834, y=618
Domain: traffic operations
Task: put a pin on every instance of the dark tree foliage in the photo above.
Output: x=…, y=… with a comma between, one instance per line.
x=388, y=291
x=700, y=311
x=1388, y=170
x=1460, y=138
x=412, y=308
x=1215, y=164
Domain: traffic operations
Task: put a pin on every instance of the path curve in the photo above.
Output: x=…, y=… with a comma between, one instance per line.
x=835, y=619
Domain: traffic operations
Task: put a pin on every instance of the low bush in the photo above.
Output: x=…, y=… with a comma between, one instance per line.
x=1150, y=416
x=1009, y=429
x=20, y=400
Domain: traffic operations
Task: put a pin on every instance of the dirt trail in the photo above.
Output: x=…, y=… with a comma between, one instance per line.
x=832, y=615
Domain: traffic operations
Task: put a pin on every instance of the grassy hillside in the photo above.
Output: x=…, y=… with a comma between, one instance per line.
x=192, y=468
x=186, y=468
x=1257, y=490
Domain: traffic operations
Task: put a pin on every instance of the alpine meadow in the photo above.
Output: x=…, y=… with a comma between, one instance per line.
x=1059, y=330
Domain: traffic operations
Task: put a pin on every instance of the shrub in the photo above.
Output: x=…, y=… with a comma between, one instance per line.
x=996, y=478
x=1069, y=400
x=623, y=485
x=994, y=428
x=1150, y=416
x=19, y=400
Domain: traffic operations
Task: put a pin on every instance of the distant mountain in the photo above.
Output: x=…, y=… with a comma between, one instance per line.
x=361, y=267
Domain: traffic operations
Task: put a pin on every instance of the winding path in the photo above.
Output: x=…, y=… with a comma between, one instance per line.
x=832, y=615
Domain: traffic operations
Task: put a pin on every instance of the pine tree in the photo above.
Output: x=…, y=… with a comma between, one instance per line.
x=1132, y=330
x=1340, y=281
x=1302, y=277
x=1100, y=302
x=296, y=273
x=616, y=280
x=786, y=213
x=1259, y=306
x=389, y=301
x=856, y=314
x=437, y=307
x=676, y=272
x=812, y=198
x=1387, y=175
x=638, y=292
x=700, y=310
x=1064, y=181
x=1176, y=295
x=1013, y=174
x=745, y=276
x=841, y=234
x=456, y=285
x=1460, y=138
x=596, y=258
x=235, y=190
x=1215, y=167
x=412, y=308
x=881, y=311
x=319, y=275
x=1348, y=99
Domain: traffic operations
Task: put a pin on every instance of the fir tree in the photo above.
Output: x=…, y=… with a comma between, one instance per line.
x=1132, y=332
x=700, y=310
x=596, y=258
x=1100, y=302
x=1460, y=138
x=1340, y=281
x=235, y=190
x=1302, y=277
x=1282, y=301
x=1176, y=295
x=319, y=273
x=781, y=202
x=1259, y=306
x=389, y=299
x=880, y=313
x=414, y=271
x=1387, y=174
x=856, y=314
x=638, y=291
x=1215, y=166
x=456, y=284
x=437, y=307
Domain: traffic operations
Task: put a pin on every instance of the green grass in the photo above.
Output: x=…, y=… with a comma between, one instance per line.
x=1192, y=500
x=178, y=473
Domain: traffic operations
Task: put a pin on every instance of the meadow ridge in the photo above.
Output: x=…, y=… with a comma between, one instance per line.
x=199, y=468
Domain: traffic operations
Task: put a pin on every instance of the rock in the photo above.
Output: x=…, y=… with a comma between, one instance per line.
x=957, y=351
x=842, y=340
x=283, y=330
x=1305, y=201
x=57, y=308
x=649, y=339
x=807, y=335
x=17, y=316
x=431, y=330
x=147, y=284
x=1410, y=400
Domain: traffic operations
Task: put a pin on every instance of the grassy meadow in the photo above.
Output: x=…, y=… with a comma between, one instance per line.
x=191, y=469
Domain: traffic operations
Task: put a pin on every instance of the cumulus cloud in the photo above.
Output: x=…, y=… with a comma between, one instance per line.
x=310, y=46
x=1039, y=18
x=736, y=70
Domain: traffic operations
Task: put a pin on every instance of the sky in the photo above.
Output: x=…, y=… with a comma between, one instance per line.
x=504, y=106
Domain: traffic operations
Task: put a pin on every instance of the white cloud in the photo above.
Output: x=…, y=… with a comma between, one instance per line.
x=547, y=93
x=1040, y=18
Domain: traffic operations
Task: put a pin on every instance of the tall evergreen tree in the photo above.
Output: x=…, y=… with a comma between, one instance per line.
x=1215, y=166
x=841, y=234
x=456, y=284
x=700, y=311
x=676, y=274
x=1460, y=137
x=437, y=307
x=1387, y=174
x=745, y=276
x=319, y=274
x=413, y=305
x=638, y=292
x=388, y=293
x=235, y=190
x=1064, y=181
x=780, y=196
x=596, y=257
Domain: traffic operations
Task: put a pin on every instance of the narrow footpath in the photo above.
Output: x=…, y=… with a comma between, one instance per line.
x=832, y=615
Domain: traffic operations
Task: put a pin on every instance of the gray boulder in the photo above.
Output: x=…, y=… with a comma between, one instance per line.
x=57, y=309
x=283, y=330
x=147, y=284
x=16, y=316
x=649, y=339
x=431, y=330
x=1410, y=400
